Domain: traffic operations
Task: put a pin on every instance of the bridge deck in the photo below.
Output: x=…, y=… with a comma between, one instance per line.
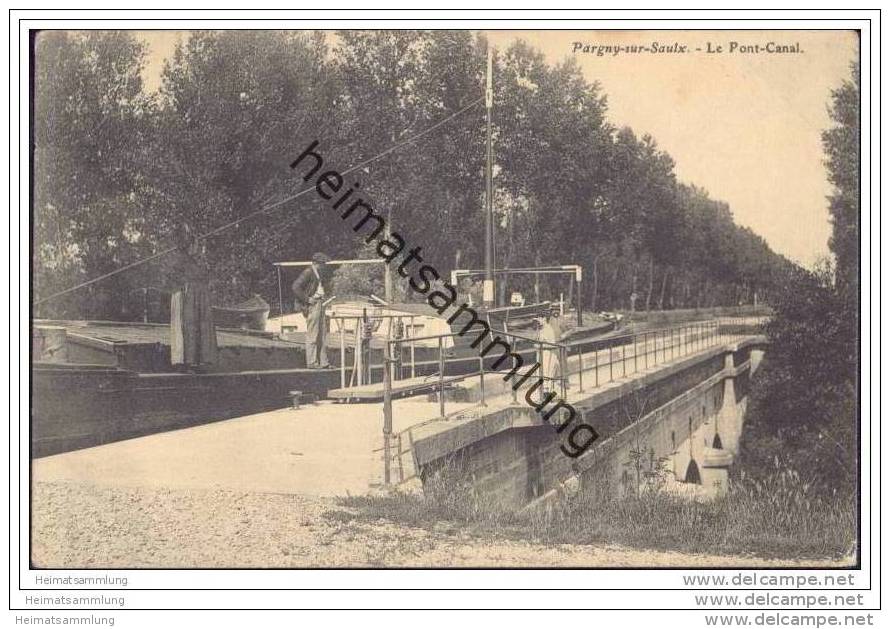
x=322, y=449
x=374, y=391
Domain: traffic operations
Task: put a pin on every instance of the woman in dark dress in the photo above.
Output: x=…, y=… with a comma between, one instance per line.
x=192, y=333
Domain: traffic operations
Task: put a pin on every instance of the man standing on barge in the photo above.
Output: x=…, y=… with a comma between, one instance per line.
x=311, y=289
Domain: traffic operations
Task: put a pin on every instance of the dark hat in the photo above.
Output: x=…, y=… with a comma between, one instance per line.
x=320, y=258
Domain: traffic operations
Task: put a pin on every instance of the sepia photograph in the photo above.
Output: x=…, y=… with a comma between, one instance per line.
x=444, y=298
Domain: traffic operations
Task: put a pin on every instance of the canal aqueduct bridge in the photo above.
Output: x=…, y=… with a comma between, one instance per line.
x=675, y=398
x=675, y=395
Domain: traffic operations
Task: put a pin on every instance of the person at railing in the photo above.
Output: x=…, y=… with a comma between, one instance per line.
x=550, y=332
x=311, y=289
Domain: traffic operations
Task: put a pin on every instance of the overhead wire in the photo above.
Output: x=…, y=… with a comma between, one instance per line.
x=263, y=210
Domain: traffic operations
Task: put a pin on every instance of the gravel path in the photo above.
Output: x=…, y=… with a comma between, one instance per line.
x=77, y=525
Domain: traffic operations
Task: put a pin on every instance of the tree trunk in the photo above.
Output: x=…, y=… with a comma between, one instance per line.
x=387, y=274
x=611, y=289
x=702, y=294
x=651, y=283
x=633, y=288
x=501, y=280
x=595, y=284
x=664, y=281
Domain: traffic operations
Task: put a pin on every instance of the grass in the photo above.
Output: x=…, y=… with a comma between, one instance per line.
x=780, y=517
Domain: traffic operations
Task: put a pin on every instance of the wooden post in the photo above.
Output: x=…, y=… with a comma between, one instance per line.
x=488, y=290
x=541, y=361
x=513, y=388
x=636, y=368
x=387, y=410
x=342, y=352
x=580, y=369
x=387, y=281
x=645, y=350
x=360, y=351
x=280, y=297
x=596, y=367
x=392, y=363
x=623, y=360
x=411, y=344
x=482, y=378
x=441, y=379
x=578, y=299
x=611, y=375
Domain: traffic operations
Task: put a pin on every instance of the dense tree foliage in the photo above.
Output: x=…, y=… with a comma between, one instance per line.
x=120, y=171
x=231, y=107
x=91, y=114
x=841, y=144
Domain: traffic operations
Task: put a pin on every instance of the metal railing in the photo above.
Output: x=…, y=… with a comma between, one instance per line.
x=607, y=358
x=364, y=327
x=604, y=360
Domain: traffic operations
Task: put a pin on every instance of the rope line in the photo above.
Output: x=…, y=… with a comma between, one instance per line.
x=263, y=210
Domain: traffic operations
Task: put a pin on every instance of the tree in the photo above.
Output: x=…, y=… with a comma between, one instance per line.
x=90, y=115
x=236, y=107
x=396, y=84
x=120, y=172
x=552, y=149
x=841, y=144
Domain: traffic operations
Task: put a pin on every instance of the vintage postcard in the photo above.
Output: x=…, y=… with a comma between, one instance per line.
x=570, y=296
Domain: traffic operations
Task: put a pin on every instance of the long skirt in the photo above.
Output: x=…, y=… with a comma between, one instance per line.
x=192, y=333
x=550, y=369
x=316, y=332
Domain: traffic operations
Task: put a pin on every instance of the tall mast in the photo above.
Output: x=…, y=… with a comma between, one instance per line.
x=488, y=286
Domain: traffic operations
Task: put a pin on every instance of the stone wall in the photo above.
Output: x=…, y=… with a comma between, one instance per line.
x=674, y=413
